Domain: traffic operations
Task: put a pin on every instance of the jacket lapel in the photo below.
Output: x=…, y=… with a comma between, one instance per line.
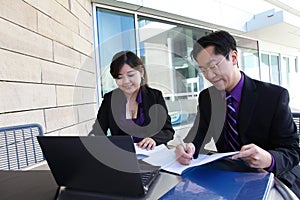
x=146, y=103
x=247, y=105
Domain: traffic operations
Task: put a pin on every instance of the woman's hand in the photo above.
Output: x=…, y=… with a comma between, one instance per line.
x=147, y=143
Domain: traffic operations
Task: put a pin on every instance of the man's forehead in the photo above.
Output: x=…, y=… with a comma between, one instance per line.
x=206, y=53
x=206, y=59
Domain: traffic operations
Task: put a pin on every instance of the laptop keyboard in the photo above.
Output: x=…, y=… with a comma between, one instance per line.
x=148, y=173
x=148, y=178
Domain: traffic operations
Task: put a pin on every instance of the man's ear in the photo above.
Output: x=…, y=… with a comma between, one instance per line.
x=234, y=57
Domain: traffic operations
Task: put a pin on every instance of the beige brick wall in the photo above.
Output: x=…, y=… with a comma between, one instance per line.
x=47, y=66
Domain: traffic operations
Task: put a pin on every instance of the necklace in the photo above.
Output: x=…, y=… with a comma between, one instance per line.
x=133, y=114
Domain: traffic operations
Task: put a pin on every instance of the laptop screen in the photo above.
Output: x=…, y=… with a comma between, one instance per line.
x=95, y=163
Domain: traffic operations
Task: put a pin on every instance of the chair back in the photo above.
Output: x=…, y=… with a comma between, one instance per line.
x=19, y=147
x=296, y=118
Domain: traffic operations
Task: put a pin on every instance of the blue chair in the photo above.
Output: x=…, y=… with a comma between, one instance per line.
x=19, y=147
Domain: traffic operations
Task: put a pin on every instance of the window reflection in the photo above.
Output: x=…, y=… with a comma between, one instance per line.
x=275, y=69
x=115, y=33
x=165, y=49
x=265, y=68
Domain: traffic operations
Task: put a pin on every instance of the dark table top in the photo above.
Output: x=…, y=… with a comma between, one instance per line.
x=31, y=185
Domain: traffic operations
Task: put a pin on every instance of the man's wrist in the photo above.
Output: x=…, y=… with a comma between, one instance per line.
x=271, y=168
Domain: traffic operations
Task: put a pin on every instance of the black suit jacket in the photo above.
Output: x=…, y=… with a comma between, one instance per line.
x=264, y=119
x=157, y=124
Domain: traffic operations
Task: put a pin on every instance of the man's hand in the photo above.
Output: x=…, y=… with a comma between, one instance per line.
x=185, y=154
x=254, y=156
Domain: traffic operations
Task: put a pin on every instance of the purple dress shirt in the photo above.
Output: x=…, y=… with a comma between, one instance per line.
x=140, y=115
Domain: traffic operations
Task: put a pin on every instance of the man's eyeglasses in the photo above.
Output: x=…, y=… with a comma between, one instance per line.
x=203, y=70
x=214, y=68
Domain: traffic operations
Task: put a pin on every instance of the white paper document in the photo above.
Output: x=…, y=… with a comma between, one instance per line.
x=178, y=168
x=144, y=153
x=162, y=158
x=168, y=161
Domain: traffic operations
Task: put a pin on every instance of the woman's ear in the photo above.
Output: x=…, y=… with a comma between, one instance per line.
x=142, y=73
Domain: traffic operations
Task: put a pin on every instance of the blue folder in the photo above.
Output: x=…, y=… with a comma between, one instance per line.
x=205, y=182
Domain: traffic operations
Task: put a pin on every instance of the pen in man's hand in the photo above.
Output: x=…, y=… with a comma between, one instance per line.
x=181, y=142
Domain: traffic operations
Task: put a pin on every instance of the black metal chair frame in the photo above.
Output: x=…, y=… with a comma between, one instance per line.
x=296, y=118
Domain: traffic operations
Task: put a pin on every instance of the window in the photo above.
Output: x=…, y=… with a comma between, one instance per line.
x=285, y=71
x=265, y=68
x=269, y=69
x=165, y=49
x=250, y=63
x=248, y=59
x=116, y=32
x=275, y=69
x=291, y=79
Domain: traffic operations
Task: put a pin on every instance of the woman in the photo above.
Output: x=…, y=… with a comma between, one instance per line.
x=133, y=108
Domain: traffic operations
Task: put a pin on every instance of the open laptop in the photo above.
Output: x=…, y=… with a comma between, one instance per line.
x=100, y=164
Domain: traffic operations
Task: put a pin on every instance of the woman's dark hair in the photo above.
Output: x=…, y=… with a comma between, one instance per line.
x=222, y=41
x=129, y=58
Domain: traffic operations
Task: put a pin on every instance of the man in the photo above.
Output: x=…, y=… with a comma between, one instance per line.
x=242, y=114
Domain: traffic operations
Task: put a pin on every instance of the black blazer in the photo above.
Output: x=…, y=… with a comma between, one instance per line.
x=158, y=126
x=264, y=119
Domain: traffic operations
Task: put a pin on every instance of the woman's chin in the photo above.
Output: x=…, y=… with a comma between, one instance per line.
x=129, y=91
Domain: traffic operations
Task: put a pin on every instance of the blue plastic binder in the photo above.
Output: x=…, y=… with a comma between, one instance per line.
x=205, y=183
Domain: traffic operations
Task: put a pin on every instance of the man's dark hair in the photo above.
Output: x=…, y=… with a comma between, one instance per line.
x=222, y=41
